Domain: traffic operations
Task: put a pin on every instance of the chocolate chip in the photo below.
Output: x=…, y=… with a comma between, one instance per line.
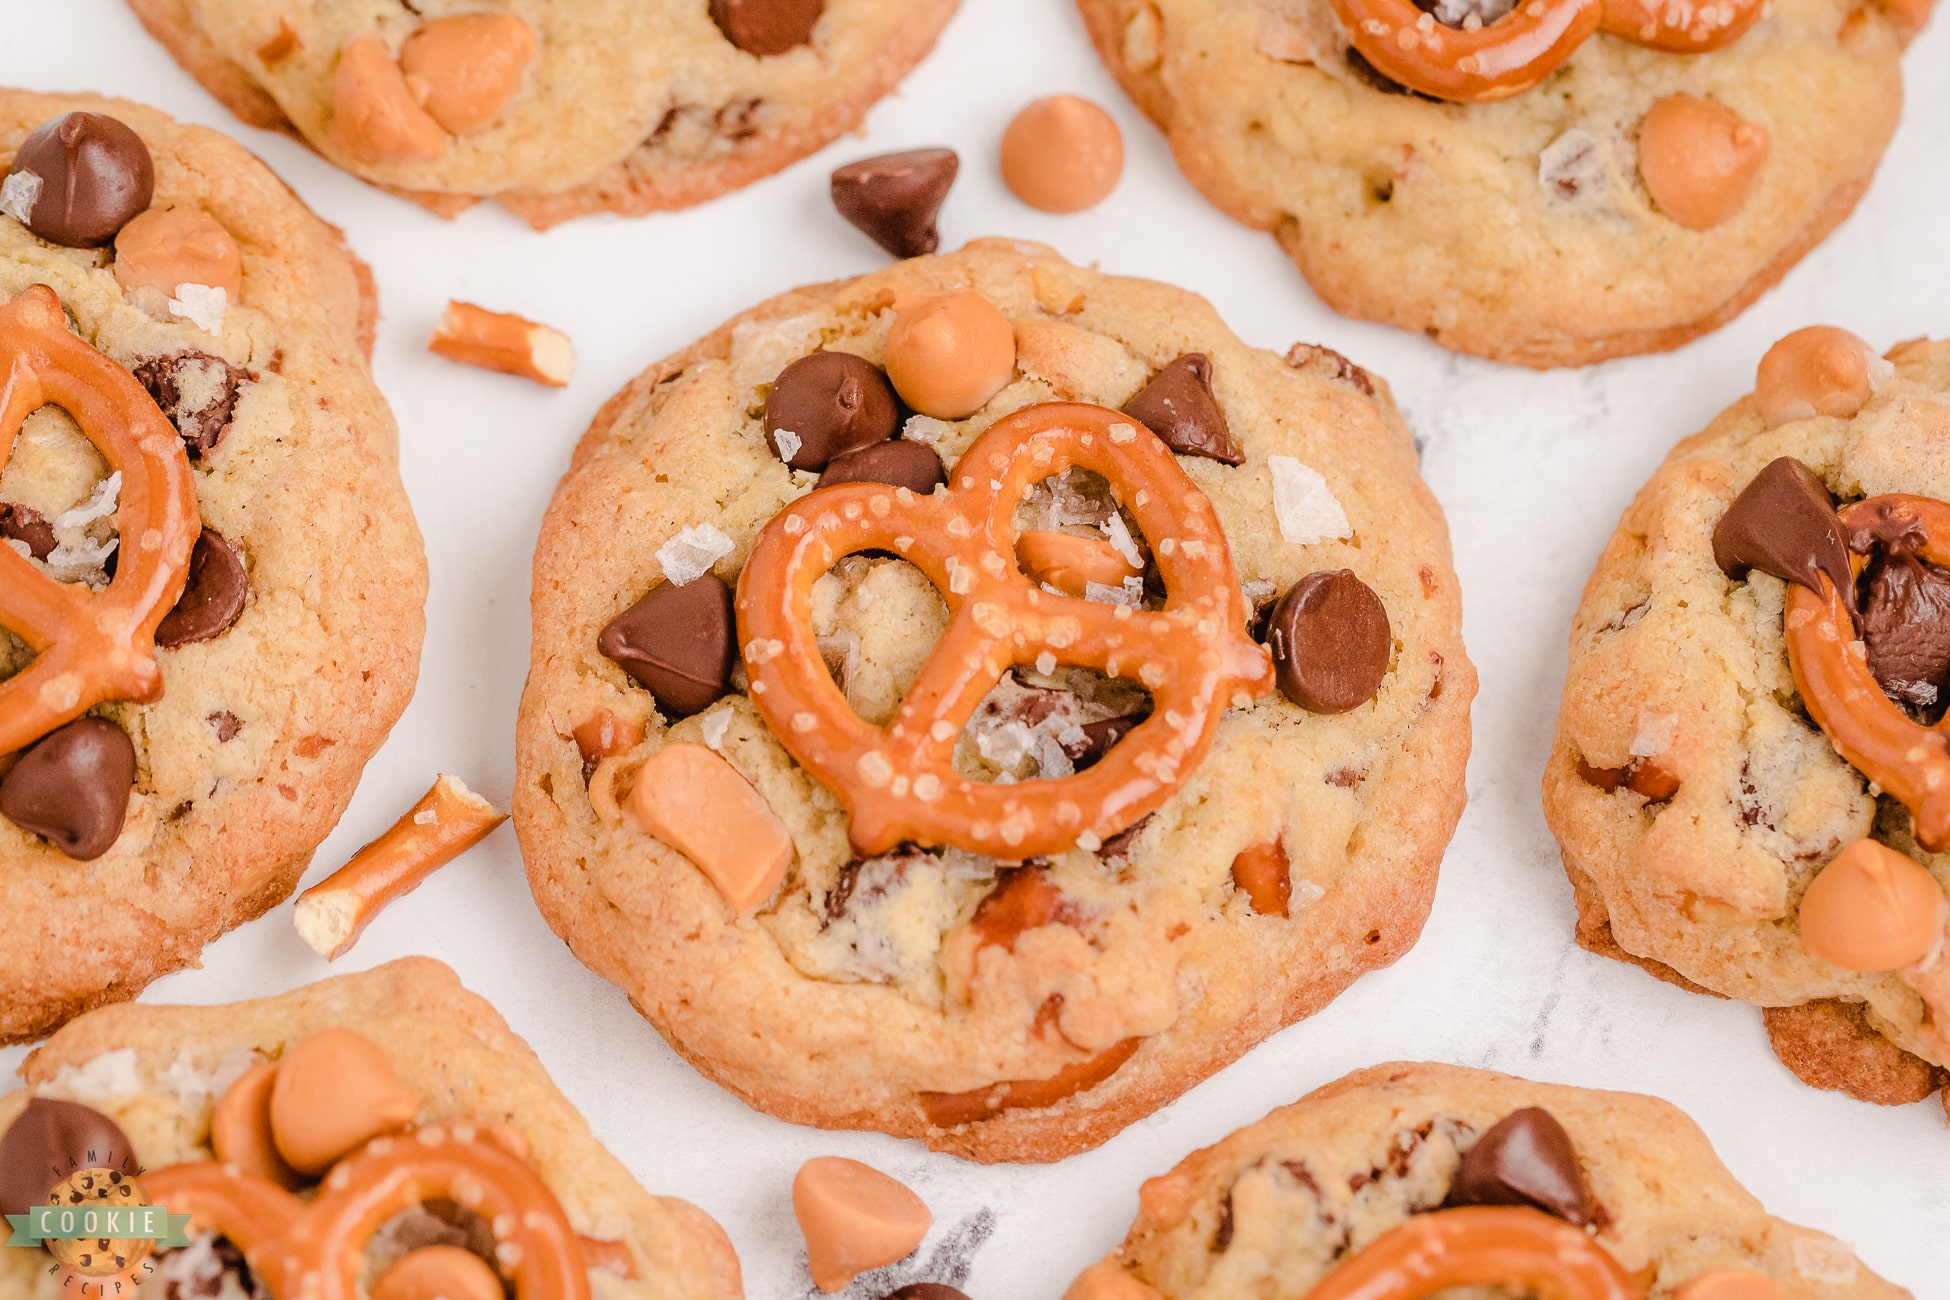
x=95, y=175
x=1119, y=845
x=1329, y=364
x=198, y=392
x=1783, y=523
x=678, y=643
x=1331, y=642
x=1357, y=62
x=1906, y=625
x=1179, y=407
x=52, y=1140
x=897, y=463
x=72, y=787
x=225, y=724
x=1098, y=737
x=927, y=1291
x=766, y=27
x=213, y=597
x=894, y=198
x=20, y=523
x=831, y=402
x=1525, y=1159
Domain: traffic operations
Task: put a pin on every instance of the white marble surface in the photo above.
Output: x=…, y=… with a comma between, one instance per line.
x=1533, y=470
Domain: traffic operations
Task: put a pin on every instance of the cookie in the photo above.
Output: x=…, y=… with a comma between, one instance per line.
x=1475, y=1178
x=212, y=610
x=251, y=1082
x=553, y=110
x=1770, y=603
x=1638, y=197
x=1009, y=881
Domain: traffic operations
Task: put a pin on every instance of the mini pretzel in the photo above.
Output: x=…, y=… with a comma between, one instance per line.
x=1477, y=65
x=898, y=783
x=316, y=1251
x=1831, y=670
x=90, y=646
x=448, y=820
x=1525, y=1249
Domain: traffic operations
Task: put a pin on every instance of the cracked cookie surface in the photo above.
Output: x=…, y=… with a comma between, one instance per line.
x=1519, y=230
x=248, y=758
x=885, y=991
x=626, y=106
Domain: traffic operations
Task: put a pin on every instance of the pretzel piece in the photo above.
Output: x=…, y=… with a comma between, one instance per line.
x=1479, y=65
x=90, y=646
x=1483, y=1245
x=1831, y=670
x=317, y=1250
x=448, y=820
x=898, y=783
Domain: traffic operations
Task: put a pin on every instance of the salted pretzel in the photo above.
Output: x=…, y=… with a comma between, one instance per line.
x=1480, y=1245
x=1831, y=670
x=1492, y=61
x=316, y=1250
x=899, y=783
x=90, y=646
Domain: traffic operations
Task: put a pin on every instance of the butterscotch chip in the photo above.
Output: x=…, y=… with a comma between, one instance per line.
x=854, y=1218
x=1699, y=159
x=1062, y=154
x=240, y=1127
x=697, y=803
x=334, y=1091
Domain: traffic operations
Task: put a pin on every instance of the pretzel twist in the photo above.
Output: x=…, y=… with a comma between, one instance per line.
x=898, y=783
x=90, y=646
x=1831, y=670
x=316, y=1251
x=1480, y=1246
x=1478, y=65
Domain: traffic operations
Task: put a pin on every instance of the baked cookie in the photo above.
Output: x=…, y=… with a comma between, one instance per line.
x=398, y=1074
x=553, y=108
x=981, y=813
x=1404, y=1180
x=1743, y=776
x=210, y=580
x=1638, y=195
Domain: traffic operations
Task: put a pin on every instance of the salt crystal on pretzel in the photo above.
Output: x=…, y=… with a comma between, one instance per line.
x=448, y=820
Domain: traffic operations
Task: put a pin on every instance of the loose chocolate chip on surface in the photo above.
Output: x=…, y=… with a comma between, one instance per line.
x=95, y=175
x=72, y=787
x=1331, y=642
x=51, y=1140
x=1783, y=523
x=213, y=597
x=830, y=402
x=898, y=463
x=927, y=1291
x=197, y=392
x=20, y=523
x=895, y=198
x=1526, y=1158
x=678, y=643
x=1906, y=625
x=766, y=27
x=1179, y=407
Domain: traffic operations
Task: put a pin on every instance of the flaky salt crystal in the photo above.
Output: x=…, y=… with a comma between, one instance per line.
x=1304, y=505
x=18, y=194
x=689, y=555
x=200, y=304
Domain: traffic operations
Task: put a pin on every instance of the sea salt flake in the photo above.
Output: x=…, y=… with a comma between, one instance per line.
x=789, y=443
x=103, y=1080
x=760, y=349
x=18, y=194
x=200, y=304
x=712, y=726
x=1125, y=593
x=1304, y=505
x=100, y=504
x=1655, y=734
x=1821, y=1258
x=689, y=555
x=1572, y=166
x=927, y=430
x=83, y=561
x=1119, y=534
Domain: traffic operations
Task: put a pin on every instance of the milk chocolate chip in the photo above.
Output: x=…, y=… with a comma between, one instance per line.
x=1179, y=407
x=1331, y=642
x=71, y=787
x=767, y=27
x=678, y=643
x=95, y=175
x=213, y=597
x=197, y=392
x=1525, y=1159
x=897, y=463
x=1098, y=737
x=20, y=523
x=895, y=198
x=927, y=1291
x=51, y=1140
x=1783, y=523
x=828, y=403
x=1906, y=625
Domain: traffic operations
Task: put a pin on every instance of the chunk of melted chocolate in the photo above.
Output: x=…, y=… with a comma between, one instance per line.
x=198, y=392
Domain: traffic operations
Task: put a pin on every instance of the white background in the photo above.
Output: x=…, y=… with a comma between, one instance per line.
x=1532, y=469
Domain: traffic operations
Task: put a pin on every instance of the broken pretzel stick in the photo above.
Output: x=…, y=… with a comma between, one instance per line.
x=448, y=820
x=503, y=341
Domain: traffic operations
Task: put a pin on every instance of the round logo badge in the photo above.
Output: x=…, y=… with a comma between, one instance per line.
x=96, y=1200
